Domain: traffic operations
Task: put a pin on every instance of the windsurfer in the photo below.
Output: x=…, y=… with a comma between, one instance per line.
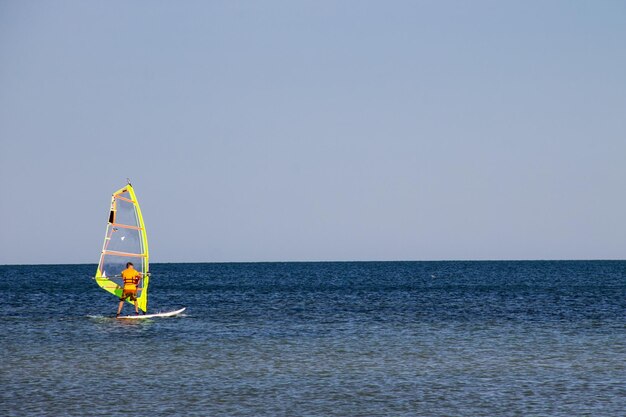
x=131, y=279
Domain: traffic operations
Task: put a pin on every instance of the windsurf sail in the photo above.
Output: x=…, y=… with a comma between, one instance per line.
x=125, y=241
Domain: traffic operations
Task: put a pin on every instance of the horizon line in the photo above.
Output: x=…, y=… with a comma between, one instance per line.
x=342, y=261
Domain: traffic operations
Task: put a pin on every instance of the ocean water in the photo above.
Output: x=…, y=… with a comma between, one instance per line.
x=320, y=339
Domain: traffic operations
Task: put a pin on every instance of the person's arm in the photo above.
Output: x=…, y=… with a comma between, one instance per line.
x=137, y=280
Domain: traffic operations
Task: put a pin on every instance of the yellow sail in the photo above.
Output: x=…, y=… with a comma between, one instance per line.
x=125, y=241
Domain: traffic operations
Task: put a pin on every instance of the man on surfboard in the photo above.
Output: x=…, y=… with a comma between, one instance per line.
x=131, y=279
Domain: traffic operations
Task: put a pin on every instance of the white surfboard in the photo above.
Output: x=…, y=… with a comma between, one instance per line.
x=153, y=315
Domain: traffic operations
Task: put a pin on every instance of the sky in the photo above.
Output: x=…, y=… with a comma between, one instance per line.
x=315, y=130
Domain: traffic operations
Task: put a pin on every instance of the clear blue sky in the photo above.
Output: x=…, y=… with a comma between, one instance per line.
x=315, y=130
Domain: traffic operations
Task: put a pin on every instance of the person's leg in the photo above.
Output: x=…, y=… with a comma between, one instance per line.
x=119, y=308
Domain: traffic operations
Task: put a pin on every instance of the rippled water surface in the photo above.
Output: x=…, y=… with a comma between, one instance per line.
x=320, y=339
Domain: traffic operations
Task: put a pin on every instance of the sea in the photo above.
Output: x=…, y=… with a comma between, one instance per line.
x=522, y=338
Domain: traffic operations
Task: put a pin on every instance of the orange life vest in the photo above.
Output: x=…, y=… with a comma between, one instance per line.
x=131, y=279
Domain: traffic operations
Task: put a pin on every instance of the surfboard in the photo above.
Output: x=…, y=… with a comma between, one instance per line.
x=153, y=315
